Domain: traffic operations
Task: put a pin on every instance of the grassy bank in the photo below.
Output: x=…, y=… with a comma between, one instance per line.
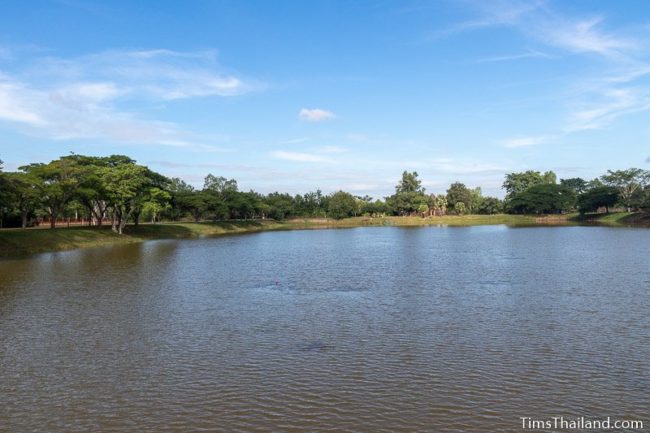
x=625, y=219
x=16, y=242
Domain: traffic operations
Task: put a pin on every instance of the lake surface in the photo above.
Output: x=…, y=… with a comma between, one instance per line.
x=358, y=330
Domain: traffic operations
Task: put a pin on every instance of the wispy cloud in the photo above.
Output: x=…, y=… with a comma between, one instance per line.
x=463, y=167
x=584, y=36
x=596, y=101
x=300, y=156
x=491, y=14
x=297, y=140
x=361, y=138
x=526, y=55
x=334, y=149
x=608, y=105
x=158, y=74
x=528, y=141
x=85, y=97
x=315, y=115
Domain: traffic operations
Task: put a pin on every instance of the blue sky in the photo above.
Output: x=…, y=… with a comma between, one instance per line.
x=299, y=95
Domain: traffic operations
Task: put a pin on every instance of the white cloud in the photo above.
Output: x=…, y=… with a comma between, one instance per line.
x=615, y=90
x=16, y=104
x=526, y=55
x=315, y=115
x=362, y=138
x=299, y=156
x=158, y=74
x=297, y=140
x=334, y=149
x=584, y=36
x=606, y=105
x=528, y=141
x=461, y=167
x=85, y=97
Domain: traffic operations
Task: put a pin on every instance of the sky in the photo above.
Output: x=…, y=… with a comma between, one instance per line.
x=293, y=96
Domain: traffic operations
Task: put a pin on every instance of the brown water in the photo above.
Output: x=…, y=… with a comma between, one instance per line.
x=361, y=330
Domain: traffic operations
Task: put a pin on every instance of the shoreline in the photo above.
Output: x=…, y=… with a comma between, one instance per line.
x=19, y=243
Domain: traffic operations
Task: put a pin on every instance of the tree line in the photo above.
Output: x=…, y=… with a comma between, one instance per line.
x=116, y=190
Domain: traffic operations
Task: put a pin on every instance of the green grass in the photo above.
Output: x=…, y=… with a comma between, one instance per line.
x=16, y=242
x=615, y=219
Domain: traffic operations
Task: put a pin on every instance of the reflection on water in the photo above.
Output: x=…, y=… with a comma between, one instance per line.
x=362, y=330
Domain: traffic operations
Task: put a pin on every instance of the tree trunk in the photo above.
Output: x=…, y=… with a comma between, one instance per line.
x=52, y=220
x=114, y=219
x=23, y=219
x=122, y=222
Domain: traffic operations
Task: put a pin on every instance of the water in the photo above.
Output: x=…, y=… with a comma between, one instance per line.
x=360, y=330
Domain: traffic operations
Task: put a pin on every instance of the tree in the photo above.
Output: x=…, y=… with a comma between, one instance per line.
x=374, y=208
x=156, y=202
x=196, y=203
x=342, y=205
x=516, y=183
x=543, y=198
x=58, y=182
x=459, y=193
x=490, y=206
x=627, y=182
x=409, y=195
x=180, y=191
x=409, y=183
x=219, y=185
x=126, y=185
x=25, y=194
x=4, y=194
x=595, y=198
x=460, y=208
x=439, y=204
x=280, y=205
x=423, y=209
x=576, y=184
x=475, y=199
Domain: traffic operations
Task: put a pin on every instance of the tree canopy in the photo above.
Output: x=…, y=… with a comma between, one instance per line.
x=116, y=190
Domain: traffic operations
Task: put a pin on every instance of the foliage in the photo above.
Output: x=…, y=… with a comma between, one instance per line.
x=595, y=198
x=439, y=204
x=115, y=189
x=459, y=193
x=409, y=195
x=543, y=198
x=576, y=184
x=490, y=206
x=627, y=182
x=342, y=205
x=516, y=183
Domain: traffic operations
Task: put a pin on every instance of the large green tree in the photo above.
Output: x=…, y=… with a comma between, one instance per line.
x=576, y=184
x=516, y=183
x=126, y=186
x=58, y=182
x=627, y=182
x=595, y=198
x=409, y=195
x=342, y=205
x=24, y=192
x=543, y=199
x=459, y=193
